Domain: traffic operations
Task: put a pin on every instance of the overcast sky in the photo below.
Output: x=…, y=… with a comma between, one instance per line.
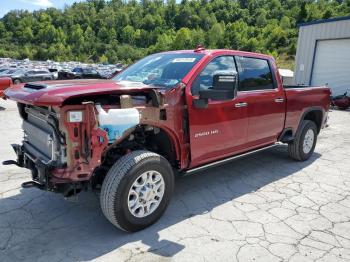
x=7, y=5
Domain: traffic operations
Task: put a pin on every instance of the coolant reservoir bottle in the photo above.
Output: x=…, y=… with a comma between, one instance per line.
x=116, y=121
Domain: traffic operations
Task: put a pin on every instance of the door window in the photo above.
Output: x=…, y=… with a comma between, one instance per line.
x=205, y=79
x=254, y=74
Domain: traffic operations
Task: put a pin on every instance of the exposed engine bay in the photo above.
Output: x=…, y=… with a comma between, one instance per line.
x=70, y=148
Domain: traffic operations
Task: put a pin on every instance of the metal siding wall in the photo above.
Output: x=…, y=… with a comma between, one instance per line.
x=308, y=36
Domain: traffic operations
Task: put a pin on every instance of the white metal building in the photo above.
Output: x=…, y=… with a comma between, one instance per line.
x=323, y=54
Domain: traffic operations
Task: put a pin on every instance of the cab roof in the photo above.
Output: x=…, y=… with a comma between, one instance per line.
x=210, y=52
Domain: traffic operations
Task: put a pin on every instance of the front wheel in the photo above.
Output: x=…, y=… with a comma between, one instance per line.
x=137, y=190
x=304, y=143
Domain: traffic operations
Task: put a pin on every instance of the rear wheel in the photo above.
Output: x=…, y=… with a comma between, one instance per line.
x=137, y=190
x=304, y=143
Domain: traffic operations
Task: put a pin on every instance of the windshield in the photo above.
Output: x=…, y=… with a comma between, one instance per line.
x=165, y=70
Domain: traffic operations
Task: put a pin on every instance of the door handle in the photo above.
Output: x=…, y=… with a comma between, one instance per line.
x=241, y=104
x=279, y=100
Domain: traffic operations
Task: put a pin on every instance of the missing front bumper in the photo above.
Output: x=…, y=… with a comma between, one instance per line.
x=38, y=167
x=41, y=170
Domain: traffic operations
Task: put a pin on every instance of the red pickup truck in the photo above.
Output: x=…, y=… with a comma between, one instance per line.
x=169, y=114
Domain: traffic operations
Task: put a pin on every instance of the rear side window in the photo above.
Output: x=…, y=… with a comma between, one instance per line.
x=254, y=74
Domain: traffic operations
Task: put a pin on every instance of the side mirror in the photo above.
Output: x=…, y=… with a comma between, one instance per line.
x=224, y=88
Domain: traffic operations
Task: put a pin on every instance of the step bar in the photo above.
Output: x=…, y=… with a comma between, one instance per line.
x=226, y=160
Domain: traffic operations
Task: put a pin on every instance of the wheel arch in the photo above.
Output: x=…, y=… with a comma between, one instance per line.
x=315, y=114
x=160, y=140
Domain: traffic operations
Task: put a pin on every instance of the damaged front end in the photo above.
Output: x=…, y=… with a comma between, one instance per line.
x=61, y=146
x=71, y=139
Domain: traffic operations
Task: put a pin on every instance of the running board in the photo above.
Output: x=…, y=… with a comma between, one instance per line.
x=226, y=160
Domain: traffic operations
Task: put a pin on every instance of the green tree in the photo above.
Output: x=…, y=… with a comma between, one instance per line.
x=216, y=35
x=128, y=35
x=285, y=23
x=183, y=39
x=77, y=36
x=119, y=30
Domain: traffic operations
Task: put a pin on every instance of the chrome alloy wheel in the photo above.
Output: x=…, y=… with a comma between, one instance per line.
x=146, y=193
x=308, y=141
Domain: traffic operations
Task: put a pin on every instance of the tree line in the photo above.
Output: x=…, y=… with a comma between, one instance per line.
x=119, y=30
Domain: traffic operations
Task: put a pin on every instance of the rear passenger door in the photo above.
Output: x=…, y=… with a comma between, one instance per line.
x=266, y=103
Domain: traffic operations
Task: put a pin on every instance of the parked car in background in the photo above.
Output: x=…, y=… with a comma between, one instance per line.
x=23, y=75
x=3, y=70
x=54, y=72
x=63, y=70
x=169, y=114
x=87, y=73
x=80, y=73
x=8, y=72
x=116, y=71
x=64, y=74
x=4, y=84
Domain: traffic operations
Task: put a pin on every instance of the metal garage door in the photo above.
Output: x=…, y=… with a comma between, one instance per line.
x=332, y=65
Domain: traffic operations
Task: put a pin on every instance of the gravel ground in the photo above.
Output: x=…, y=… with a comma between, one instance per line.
x=264, y=207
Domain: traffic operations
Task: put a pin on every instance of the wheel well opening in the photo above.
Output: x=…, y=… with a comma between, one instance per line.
x=159, y=142
x=143, y=137
x=316, y=117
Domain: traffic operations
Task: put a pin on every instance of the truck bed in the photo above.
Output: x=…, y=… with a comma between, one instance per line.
x=301, y=99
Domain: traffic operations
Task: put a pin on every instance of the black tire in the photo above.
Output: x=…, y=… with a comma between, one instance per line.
x=295, y=149
x=120, y=178
x=16, y=81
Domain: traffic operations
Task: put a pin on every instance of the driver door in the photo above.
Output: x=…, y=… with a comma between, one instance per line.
x=220, y=130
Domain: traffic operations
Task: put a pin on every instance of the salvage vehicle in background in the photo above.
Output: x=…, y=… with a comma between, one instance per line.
x=5, y=83
x=80, y=73
x=8, y=72
x=3, y=70
x=28, y=75
x=54, y=73
x=342, y=101
x=169, y=114
x=87, y=73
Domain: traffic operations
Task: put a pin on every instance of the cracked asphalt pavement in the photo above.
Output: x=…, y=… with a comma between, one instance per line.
x=264, y=207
